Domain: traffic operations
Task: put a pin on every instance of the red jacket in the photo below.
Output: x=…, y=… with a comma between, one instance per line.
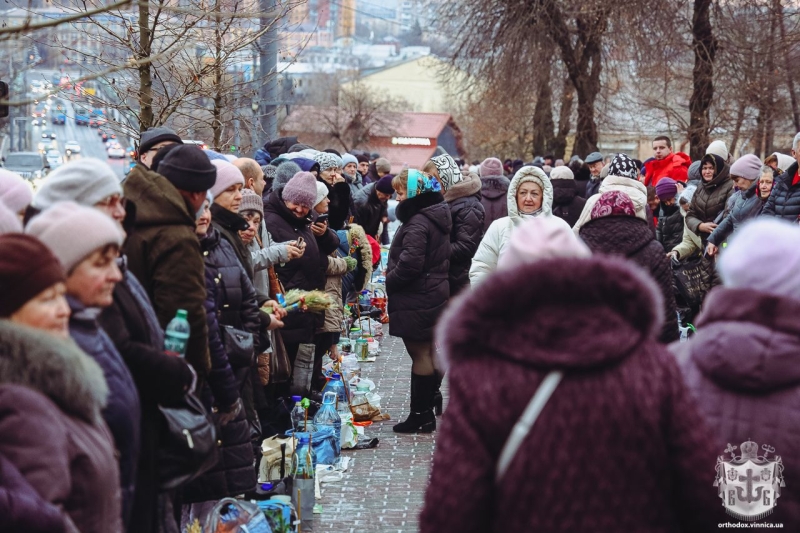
x=675, y=166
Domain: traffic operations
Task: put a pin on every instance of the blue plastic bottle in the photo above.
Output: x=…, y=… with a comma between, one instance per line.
x=336, y=385
x=327, y=416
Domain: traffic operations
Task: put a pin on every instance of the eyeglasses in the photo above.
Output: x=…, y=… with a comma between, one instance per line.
x=113, y=201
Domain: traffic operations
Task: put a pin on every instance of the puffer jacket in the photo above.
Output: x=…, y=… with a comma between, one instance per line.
x=21, y=507
x=675, y=166
x=229, y=224
x=496, y=238
x=419, y=261
x=51, y=427
x=337, y=268
x=468, y=214
x=748, y=205
x=369, y=210
x=263, y=256
x=494, y=190
x=741, y=365
x=669, y=231
x=622, y=395
x=339, y=208
x=635, y=191
x=567, y=205
x=631, y=237
x=710, y=198
x=784, y=202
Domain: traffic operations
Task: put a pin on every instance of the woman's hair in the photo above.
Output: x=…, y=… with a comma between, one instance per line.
x=766, y=169
x=400, y=182
x=430, y=168
x=651, y=193
x=770, y=160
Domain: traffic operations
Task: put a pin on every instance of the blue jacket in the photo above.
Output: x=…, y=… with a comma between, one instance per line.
x=747, y=204
x=784, y=202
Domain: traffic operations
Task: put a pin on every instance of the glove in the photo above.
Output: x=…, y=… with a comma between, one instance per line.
x=229, y=414
x=351, y=263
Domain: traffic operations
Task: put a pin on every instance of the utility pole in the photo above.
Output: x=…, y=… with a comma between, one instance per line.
x=268, y=71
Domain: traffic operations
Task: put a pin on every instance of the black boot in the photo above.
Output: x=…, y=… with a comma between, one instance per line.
x=437, y=395
x=421, y=419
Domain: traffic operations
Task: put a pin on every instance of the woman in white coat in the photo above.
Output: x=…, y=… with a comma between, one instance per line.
x=530, y=195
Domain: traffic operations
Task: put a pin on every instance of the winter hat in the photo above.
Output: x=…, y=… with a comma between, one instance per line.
x=613, y=204
x=561, y=173
x=227, y=175
x=747, y=167
x=624, y=167
x=491, y=166
x=763, y=241
x=718, y=148
x=15, y=192
x=251, y=202
x=666, y=188
x=327, y=161
x=784, y=161
x=306, y=165
x=420, y=183
x=322, y=192
x=74, y=231
x=363, y=158
x=694, y=171
x=594, y=157
x=213, y=156
x=299, y=147
x=349, y=158
x=301, y=190
x=384, y=184
x=449, y=173
x=27, y=267
x=541, y=238
x=188, y=169
x=9, y=220
x=283, y=173
x=153, y=136
x=85, y=181
x=687, y=194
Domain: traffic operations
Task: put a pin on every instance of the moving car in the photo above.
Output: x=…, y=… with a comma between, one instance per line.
x=47, y=134
x=59, y=118
x=81, y=117
x=54, y=158
x=29, y=165
x=116, y=151
x=72, y=147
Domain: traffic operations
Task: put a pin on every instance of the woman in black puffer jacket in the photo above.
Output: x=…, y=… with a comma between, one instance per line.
x=417, y=285
x=567, y=205
x=466, y=211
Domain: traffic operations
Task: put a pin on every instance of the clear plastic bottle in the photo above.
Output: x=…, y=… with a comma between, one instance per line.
x=327, y=416
x=336, y=385
x=304, y=462
x=176, y=336
x=298, y=415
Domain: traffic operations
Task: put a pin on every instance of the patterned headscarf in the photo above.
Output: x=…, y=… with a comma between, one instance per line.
x=449, y=173
x=419, y=183
x=613, y=204
x=624, y=167
x=327, y=160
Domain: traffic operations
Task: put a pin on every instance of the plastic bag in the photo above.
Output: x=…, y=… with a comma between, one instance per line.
x=349, y=432
x=236, y=516
x=323, y=440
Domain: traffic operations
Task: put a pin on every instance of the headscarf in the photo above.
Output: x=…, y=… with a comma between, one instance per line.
x=449, y=173
x=623, y=166
x=613, y=204
x=419, y=183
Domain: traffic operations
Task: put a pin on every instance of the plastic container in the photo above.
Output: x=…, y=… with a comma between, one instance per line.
x=304, y=465
x=362, y=349
x=328, y=416
x=176, y=336
x=336, y=385
x=355, y=334
x=298, y=415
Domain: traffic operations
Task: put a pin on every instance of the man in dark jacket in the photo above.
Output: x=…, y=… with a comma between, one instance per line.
x=567, y=205
x=467, y=215
x=163, y=252
x=494, y=191
x=594, y=162
x=784, y=201
x=152, y=141
x=370, y=205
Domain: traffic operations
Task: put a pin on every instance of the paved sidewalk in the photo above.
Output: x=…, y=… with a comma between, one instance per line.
x=384, y=488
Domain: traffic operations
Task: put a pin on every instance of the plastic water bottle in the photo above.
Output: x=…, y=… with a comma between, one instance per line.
x=336, y=386
x=327, y=416
x=176, y=337
x=298, y=415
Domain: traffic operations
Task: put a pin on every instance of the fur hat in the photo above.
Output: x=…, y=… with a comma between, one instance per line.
x=9, y=220
x=541, y=238
x=666, y=188
x=15, y=192
x=284, y=173
x=322, y=192
x=188, y=169
x=154, y=136
x=613, y=204
x=74, y=231
x=85, y=182
x=301, y=190
x=561, y=173
x=747, y=167
x=27, y=267
x=227, y=175
x=491, y=166
x=251, y=202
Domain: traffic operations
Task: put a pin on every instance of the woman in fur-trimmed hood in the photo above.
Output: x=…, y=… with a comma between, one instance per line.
x=51, y=427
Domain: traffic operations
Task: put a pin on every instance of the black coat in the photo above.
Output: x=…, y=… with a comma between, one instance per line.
x=162, y=379
x=633, y=238
x=369, y=210
x=467, y=214
x=784, y=202
x=669, y=231
x=567, y=205
x=229, y=224
x=592, y=187
x=339, y=208
x=710, y=198
x=494, y=192
x=306, y=273
x=419, y=261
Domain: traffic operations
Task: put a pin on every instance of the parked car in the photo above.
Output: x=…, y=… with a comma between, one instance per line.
x=54, y=158
x=29, y=165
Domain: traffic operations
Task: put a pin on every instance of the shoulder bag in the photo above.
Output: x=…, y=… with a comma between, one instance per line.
x=280, y=367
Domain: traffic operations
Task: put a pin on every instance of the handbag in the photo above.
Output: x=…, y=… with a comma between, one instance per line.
x=303, y=369
x=187, y=444
x=280, y=367
x=239, y=346
x=526, y=421
x=692, y=281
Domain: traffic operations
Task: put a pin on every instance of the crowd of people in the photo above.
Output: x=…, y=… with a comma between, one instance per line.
x=502, y=276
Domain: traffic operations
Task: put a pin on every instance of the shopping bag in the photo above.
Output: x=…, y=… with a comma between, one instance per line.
x=692, y=281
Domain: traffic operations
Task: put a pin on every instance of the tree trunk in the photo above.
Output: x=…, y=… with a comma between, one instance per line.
x=543, y=125
x=738, y=127
x=705, y=46
x=216, y=120
x=778, y=7
x=565, y=113
x=146, y=117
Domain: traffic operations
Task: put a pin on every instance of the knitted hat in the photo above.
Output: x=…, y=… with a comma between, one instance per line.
x=613, y=204
x=85, y=181
x=188, y=169
x=327, y=161
x=322, y=192
x=269, y=172
x=154, y=136
x=449, y=173
x=541, y=238
x=15, y=192
x=349, y=158
x=9, y=220
x=27, y=267
x=284, y=173
x=694, y=171
x=363, y=158
x=251, y=202
x=747, y=167
x=227, y=175
x=301, y=190
x=491, y=166
x=561, y=173
x=624, y=167
x=718, y=148
x=666, y=188
x=384, y=184
x=764, y=241
x=74, y=231
x=594, y=157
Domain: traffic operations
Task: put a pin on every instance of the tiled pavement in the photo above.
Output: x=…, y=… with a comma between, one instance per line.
x=383, y=488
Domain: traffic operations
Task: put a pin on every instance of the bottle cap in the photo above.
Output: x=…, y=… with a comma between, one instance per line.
x=266, y=486
x=181, y=314
x=303, y=437
x=296, y=399
x=336, y=376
